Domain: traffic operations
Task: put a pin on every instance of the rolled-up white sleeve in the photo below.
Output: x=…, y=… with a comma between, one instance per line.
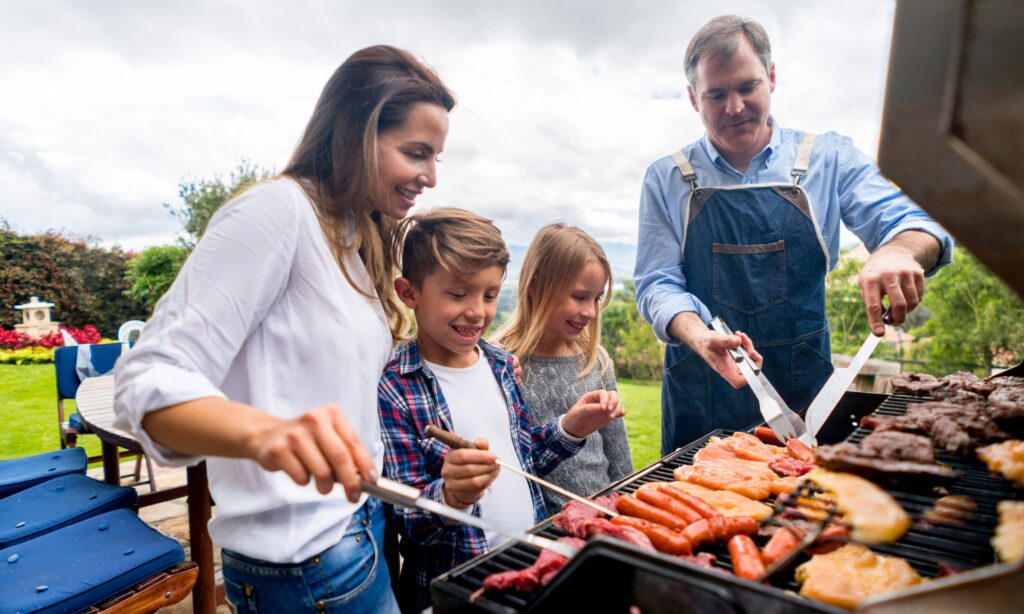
x=227, y=285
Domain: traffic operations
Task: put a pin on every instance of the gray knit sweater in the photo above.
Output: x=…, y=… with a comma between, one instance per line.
x=551, y=387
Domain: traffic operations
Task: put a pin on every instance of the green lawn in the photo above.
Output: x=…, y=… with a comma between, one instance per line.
x=28, y=413
x=642, y=401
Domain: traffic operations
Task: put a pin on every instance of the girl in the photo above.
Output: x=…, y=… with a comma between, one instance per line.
x=556, y=333
x=228, y=372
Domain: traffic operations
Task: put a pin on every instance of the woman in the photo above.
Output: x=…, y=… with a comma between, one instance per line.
x=284, y=309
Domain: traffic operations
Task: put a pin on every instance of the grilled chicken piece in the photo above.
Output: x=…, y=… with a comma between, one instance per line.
x=847, y=576
x=1009, y=538
x=875, y=516
x=1006, y=458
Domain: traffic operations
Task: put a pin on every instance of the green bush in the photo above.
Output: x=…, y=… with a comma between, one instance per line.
x=632, y=345
x=26, y=356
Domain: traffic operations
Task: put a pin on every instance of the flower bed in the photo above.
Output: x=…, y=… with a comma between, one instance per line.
x=18, y=348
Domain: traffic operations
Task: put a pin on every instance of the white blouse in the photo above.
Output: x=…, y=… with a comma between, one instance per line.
x=261, y=314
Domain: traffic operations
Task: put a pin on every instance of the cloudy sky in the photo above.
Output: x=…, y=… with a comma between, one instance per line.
x=105, y=106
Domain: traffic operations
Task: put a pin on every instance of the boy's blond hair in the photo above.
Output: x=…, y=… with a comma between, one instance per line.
x=455, y=240
x=555, y=258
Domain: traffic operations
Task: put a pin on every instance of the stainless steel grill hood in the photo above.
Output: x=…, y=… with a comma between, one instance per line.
x=953, y=123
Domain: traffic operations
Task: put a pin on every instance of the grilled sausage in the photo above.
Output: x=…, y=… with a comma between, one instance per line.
x=766, y=435
x=664, y=539
x=798, y=450
x=702, y=507
x=831, y=538
x=669, y=504
x=782, y=542
x=699, y=533
x=631, y=506
x=685, y=511
x=739, y=525
x=746, y=560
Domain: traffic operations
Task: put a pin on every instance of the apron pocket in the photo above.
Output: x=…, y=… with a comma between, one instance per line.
x=749, y=278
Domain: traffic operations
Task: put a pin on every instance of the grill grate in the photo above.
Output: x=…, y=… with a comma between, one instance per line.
x=925, y=547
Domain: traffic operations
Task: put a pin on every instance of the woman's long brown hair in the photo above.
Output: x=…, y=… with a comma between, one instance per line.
x=336, y=161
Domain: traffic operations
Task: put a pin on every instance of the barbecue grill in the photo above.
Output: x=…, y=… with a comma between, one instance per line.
x=611, y=576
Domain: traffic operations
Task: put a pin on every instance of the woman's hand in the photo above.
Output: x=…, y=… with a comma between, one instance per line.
x=320, y=444
x=594, y=410
x=468, y=473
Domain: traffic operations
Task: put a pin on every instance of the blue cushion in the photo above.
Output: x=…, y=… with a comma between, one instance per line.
x=57, y=503
x=21, y=473
x=73, y=568
x=65, y=359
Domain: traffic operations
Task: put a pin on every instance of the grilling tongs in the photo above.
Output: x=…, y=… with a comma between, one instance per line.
x=402, y=495
x=784, y=422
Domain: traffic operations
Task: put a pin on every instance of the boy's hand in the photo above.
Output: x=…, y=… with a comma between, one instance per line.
x=594, y=410
x=467, y=473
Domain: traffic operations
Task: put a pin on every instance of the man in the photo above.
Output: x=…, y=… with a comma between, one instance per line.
x=744, y=224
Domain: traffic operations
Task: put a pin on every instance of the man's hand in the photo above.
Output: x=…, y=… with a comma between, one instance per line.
x=897, y=270
x=468, y=473
x=592, y=411
x=713, y=347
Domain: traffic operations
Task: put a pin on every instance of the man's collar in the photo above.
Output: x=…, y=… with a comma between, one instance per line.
x=773, y=144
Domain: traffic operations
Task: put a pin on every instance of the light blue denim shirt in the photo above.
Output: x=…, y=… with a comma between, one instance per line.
x=843, y=184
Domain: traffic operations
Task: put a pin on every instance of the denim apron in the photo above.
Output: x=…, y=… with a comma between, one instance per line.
x=754, y=255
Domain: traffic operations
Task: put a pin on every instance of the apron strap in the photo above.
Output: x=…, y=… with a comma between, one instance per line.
x=685, y=169
x=803, y=158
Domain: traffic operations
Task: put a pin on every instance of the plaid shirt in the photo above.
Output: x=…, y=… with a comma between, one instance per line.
x=409, y=398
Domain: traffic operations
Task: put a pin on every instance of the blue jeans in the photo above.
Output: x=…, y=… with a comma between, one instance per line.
x=348, y=577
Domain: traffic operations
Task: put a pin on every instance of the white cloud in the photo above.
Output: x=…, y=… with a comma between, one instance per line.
x=105, y=107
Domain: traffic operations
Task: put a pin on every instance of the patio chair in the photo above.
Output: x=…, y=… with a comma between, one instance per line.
x=67, y=363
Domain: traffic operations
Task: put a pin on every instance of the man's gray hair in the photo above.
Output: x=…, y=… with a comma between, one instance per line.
x=719, y=39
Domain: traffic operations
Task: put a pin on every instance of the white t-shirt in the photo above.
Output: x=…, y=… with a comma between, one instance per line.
x=478, y=408
x=261, y=314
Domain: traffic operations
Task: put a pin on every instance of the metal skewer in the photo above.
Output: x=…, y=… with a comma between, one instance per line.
x=395, y=493
x=455, y=442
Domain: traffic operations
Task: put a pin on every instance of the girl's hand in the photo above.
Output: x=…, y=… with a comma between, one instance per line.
x=594, y=410
x=467, y=474
x=320, y=444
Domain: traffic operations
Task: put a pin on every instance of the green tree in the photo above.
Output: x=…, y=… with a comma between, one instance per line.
x=974, y=318
x=628, y=338
x=153, y=271
x=201, y=198
x=847, y=319
x=83, y=280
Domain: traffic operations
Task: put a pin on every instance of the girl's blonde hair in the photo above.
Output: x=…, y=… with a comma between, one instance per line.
x=336, y=160
x=555, y=258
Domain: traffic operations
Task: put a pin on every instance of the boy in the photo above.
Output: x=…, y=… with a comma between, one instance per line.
x=453, y=263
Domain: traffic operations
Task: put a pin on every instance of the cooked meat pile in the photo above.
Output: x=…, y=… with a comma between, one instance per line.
x=884, y=452
x=915, y=383
x=957, y=428
x=874, y=515
x=1006, y=458
x=1009, y=538
x=851, y=574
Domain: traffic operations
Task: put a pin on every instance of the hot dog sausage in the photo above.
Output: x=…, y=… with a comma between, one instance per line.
x=631, y=506
x=798, y=450
x=746, y=560
x=667, y=503
x=703, y=508
x=766, y=435
x=664, y=539
x=699, y=533
x=781, y=543
x=739, y=525
x=685, y=511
